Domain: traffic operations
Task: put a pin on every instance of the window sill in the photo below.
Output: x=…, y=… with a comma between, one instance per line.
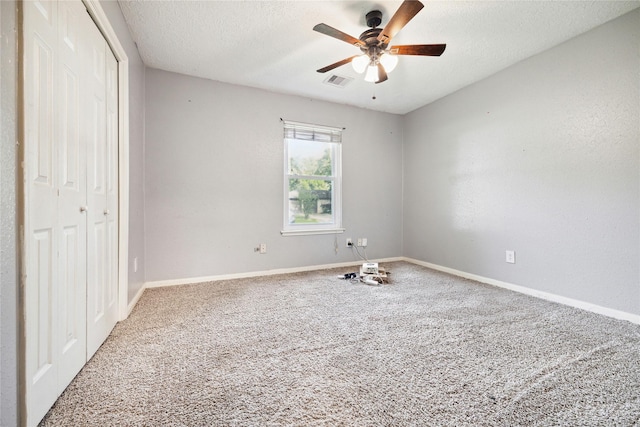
x=309, y=232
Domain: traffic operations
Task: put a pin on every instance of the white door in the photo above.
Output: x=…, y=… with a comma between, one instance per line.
x=102, y=190
x=40, y=39
x=70, y=181
x=72, y=274
x=55, y=192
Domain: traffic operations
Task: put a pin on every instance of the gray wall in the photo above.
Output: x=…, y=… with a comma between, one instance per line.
x=136, y=145
x=8, y=261
x=541, y=158
x=214, y=183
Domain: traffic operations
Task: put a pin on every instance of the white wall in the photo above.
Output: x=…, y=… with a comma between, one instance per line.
x=541, y=158
x=136, y=145
x=9, y=414
x=214, y=183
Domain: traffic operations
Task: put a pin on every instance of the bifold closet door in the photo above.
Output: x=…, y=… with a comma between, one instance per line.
x=102, y=187
x=55, y=196
x=71, y=193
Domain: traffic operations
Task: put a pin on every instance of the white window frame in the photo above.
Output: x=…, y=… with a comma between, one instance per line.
x=335, y=135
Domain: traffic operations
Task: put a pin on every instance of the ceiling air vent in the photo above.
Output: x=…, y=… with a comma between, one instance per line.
x=336, y=80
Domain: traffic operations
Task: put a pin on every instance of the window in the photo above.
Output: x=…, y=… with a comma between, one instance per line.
x=312, y=179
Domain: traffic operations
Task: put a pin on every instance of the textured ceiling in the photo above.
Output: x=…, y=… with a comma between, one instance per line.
x=271, y=44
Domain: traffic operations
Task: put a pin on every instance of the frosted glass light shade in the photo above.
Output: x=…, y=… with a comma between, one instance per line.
x=359, y=63
x=372, y=74
x=389, y=62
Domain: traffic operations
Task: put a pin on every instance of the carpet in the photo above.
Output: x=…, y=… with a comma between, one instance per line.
x=309, y=349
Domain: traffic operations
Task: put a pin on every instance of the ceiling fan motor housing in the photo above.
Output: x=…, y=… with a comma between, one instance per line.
x=372, y=46
x=370, y=37
x=373, y=18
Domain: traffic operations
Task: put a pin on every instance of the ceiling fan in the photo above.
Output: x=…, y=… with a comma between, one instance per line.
x=378, y=58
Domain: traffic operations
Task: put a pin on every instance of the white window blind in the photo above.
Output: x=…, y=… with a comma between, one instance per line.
x=306, y=132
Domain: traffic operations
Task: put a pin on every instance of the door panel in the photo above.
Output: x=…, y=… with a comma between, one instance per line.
x=68, y=285
x=45, y=11
x=111, y=264
x=96, y=194
x=41, y=196
x=111, y=182
x=97, y=281
x=71, y=151
x=73, y=197
x=41, y=82
x=44, y=272
x=102, y=192
x=57, y=131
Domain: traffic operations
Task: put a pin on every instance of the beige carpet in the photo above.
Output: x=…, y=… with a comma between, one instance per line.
x=312, y=350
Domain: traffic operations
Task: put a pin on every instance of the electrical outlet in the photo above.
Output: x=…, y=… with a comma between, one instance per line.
x=359, y=242
x=349, y=242
x=263, y=248
x=364, y=242
x=511, y=257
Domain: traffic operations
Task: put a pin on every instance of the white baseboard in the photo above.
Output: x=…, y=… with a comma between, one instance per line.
x=192, y=280
x=594, y=308
x=609, y=312
x=135, y=300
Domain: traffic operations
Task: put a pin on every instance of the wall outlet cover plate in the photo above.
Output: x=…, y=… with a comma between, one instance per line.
x=511, y=257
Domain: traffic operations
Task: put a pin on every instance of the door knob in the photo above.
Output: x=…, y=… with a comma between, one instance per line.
x=84, y=208
x=106, y=212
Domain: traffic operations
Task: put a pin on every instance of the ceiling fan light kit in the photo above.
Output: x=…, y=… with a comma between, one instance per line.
x=377, y=58
x=359, y=63
x=389, y=62
x=372, y=74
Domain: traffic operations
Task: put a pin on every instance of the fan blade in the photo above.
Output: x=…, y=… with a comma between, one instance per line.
x=336, y=65
x=418, y=49
x=407, y=10
x=332, y=32
x=382, y=74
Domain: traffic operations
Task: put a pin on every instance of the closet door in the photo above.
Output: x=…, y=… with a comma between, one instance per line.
x=55, y=195
x=102, y=167
x=71, y=193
